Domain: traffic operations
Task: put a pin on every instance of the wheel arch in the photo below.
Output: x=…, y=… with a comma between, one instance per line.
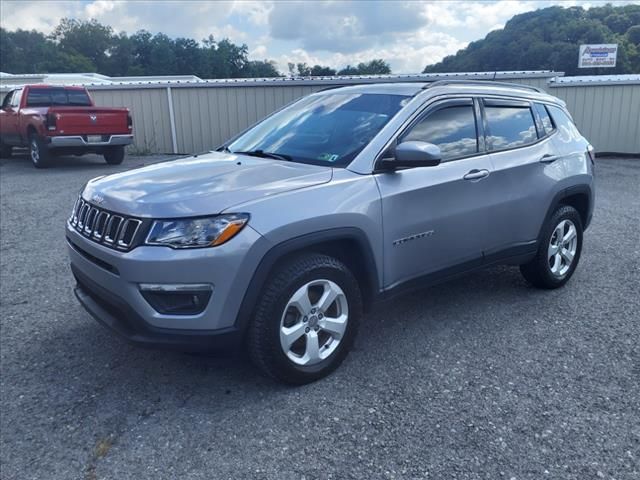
x=579, y=197
x=348, y=244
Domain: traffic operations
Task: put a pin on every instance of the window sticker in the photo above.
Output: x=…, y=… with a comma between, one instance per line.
x=328, y=157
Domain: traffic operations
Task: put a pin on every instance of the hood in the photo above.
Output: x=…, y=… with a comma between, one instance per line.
x=202, y=185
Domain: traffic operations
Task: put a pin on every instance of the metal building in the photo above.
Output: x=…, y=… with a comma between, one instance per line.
x=185, y=114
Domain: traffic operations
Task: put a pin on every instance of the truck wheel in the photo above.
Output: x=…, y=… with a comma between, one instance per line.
x=559, y=250
x=38, y=152
x=306, y=319
x=114, y=155
x=5, y=151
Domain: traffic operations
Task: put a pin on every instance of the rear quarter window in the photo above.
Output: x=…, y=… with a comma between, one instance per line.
x=567, y=130
x=545, y=119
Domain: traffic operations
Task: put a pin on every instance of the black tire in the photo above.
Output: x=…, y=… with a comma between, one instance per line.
x=114, y=155
x=5, y=151
x=538, y=271
x=38, y=152
x=263, y=336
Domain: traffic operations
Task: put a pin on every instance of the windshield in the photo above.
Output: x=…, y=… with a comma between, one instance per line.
x=46, y=97
x=329, y=129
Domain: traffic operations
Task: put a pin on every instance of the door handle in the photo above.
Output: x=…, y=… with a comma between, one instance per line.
x=547, y=158
x=476, y=174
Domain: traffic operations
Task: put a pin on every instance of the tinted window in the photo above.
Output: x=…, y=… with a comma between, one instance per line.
x=7, y=99
x=510, y=127
x=453, y=129
x=15, y=101
x=45, y=97
x=78, y=97
x=567, y=131
x=327, y=129
x=547, y=124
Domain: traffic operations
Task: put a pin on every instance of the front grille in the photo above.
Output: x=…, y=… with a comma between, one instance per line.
x=109, y=229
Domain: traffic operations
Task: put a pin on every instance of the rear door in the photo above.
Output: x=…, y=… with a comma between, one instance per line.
x=520, y=190
x=434, y=218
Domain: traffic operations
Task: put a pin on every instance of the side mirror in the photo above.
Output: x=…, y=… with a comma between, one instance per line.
x=415, y=154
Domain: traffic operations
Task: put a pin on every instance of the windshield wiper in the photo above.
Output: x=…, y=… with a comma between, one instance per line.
x=263, y=154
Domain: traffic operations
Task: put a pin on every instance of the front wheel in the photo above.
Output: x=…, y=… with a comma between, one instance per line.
x=306, y=319
x=38, y=152
x=114, y=155
x=558, y=252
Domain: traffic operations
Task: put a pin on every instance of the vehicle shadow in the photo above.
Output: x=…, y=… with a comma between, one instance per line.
x=104, y=363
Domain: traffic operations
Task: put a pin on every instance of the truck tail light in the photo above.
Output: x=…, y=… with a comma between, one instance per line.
x=129, y=121
x=52, y=119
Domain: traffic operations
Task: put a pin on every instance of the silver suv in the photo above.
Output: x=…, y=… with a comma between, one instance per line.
x=283, y=237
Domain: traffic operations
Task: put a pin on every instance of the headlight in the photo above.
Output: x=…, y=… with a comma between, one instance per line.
x=196, y=232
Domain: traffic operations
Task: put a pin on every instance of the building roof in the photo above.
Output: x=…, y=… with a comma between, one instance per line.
x=595, y=80
x=96, y=80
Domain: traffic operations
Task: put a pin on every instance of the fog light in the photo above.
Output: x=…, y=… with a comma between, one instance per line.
x=177, y=299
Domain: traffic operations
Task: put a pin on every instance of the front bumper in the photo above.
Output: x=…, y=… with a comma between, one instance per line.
x=115, y=314
x=70, y=141
x=108, y=286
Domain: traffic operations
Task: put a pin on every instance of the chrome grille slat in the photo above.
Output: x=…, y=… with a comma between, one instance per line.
x=101, y=223
x=113, y=229
x=83, y=214
x=103, y=227
x=128, y=232
x=90, y=221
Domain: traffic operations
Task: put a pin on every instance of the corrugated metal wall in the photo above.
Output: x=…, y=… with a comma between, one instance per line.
x=608, y=115
x=206, y=114
x=206, y=117
x=150, y=110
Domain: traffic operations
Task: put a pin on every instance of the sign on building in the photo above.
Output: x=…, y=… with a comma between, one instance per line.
x=595, y=56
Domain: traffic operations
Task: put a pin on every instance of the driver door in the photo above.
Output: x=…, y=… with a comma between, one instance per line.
x=9, y=118
x=435, y=218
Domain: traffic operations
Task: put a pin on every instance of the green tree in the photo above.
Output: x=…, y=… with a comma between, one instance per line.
x=549, y=39
x=633, y=34
x=260, y=69
x=87, y=38
x=374, y=67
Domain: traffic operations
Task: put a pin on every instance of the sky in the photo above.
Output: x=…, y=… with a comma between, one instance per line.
x=407, y=34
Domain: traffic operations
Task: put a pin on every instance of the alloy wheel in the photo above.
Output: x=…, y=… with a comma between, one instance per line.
x=314, y=322
x=562, y=248
x=35, y=151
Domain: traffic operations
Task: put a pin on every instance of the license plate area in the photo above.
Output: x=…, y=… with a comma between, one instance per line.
x=94, y=138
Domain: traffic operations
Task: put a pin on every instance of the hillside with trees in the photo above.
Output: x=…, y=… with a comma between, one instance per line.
x=548, y=39
x=89, y=46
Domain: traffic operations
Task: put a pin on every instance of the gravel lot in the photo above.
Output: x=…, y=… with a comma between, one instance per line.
x=480, y=378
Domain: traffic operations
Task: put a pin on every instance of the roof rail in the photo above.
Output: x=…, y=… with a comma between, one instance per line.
x=440, y=83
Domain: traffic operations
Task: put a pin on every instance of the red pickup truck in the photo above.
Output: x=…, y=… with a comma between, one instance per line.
x=57, y=120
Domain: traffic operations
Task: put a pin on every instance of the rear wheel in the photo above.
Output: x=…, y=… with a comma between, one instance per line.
x=114, y=155
x=5, y=150
x=38, y=152
x=306, y=319
x=559, y=250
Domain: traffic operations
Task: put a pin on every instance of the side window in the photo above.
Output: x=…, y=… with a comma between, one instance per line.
x=566, y=128
x=547, y=123
x=15, y=101
x=453, y=129
x=509, y=126
x=7, y=99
